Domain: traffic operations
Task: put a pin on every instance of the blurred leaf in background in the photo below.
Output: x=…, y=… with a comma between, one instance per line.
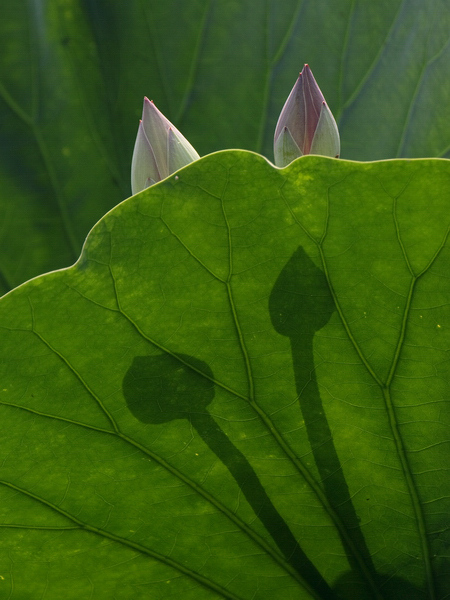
x=74, y=73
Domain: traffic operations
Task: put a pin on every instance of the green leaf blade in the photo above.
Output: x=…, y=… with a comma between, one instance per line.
x=214, y=371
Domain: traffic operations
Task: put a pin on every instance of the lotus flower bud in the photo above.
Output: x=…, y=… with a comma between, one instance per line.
x=160, y=149
x=305, y=125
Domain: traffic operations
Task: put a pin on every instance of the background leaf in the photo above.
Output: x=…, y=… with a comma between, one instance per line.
x=239, y=351
x=74, y=74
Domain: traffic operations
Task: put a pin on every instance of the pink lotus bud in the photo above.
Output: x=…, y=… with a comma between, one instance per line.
x=305, y=125
x=160, y=149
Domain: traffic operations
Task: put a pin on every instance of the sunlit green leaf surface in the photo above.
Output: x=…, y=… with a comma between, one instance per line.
x=239, y=391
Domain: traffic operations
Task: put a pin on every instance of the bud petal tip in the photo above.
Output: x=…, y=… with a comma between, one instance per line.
x=308, y=121
x=159, y=150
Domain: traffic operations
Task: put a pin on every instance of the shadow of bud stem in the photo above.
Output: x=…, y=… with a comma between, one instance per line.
x=160, y=389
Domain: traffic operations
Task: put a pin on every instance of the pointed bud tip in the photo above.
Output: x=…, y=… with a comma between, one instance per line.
x=160, y=149
x=305, y=124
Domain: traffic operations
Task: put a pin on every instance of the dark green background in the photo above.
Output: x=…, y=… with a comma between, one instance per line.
x=73, y=75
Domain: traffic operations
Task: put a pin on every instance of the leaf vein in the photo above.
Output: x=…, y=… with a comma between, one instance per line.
x=205, y=581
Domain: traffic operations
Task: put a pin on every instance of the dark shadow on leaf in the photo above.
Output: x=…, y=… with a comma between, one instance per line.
x=159, y=389
x=300, y=305
x=391, y=588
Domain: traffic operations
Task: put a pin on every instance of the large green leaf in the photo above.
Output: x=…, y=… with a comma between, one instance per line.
x=239, y=391
x=74, y=73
